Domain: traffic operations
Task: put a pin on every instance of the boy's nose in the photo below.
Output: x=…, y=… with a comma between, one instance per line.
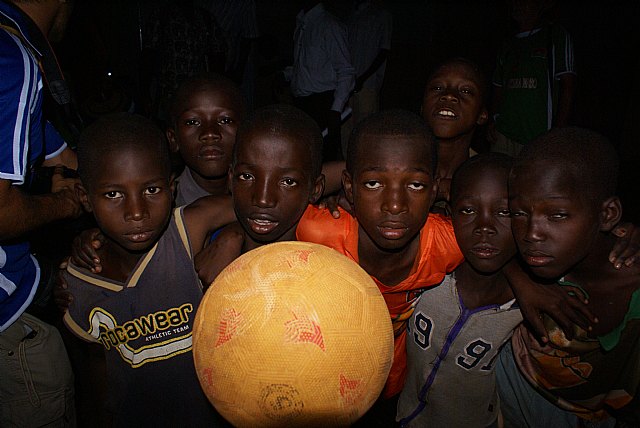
x=394, y=201
x=263, y=197
x=533, y=231
x=136, y=210
x=485, y=229
x=211, y=131
x=484, y=224
x=448, y=95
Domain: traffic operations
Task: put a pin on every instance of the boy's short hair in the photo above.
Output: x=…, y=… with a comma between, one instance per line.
x=116, y=132
x=587, y=156
x=284, y=119
x=479, y=75
x=498, y=161
x=395, y=122
x=210, y=80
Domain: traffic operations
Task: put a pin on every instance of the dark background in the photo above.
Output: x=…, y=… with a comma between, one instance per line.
x=105, y=36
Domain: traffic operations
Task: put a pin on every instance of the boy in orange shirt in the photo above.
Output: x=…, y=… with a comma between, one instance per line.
x=389, y=180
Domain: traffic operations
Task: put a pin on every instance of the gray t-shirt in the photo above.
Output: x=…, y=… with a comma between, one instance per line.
x=451, y=353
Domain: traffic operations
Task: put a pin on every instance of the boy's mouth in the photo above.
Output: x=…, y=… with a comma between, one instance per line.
x=210, y=152
x=536, y=258
x=393, y=230
x=484, y=251
x=261, y=225
x=140, y=236
x=446, y=113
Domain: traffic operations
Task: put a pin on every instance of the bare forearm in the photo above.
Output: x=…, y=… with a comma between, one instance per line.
x=22, y=213
x=333, y=176
x=565, y=100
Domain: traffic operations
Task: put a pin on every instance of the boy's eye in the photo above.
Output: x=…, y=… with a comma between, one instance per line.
x=152, y=190
x=113, y=194
x=467, y=211
x=192, y=122
x=416, y=186
x=558, y=216
x=245, y=176
x=289, y=182
x=515, y=214
x=226, y=120
x=504, y=213
x=372, y=184
x=466, y=91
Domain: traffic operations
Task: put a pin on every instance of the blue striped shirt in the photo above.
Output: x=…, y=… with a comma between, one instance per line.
x=23, y=134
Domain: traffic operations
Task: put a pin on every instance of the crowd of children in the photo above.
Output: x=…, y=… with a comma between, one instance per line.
x=462, y=246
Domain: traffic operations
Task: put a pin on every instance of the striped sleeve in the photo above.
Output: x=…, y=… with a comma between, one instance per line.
x=19, y=110
x=563, y=52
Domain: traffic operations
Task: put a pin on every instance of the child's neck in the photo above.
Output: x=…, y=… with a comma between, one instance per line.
x=388, y=267
x=451, y=154
x=596, y=265
x=214, y=186
x=609, y=290
x=477, y=289
x=251, y=244
x=117, y=262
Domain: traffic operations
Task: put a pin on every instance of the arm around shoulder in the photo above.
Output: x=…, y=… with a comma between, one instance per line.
x=206, y=215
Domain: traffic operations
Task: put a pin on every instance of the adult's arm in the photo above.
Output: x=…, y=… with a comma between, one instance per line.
x=22, y=213
x=566, y=95
x=341, y=63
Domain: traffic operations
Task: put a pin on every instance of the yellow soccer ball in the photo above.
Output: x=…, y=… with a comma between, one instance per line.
x=292, y=334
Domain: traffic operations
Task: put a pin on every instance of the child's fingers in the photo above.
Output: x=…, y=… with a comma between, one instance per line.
x=86, y=257
x=626, y=249
x=61, y=296
x=575, y=312
x=535, y=324
x=63, y=301
x=96, y=244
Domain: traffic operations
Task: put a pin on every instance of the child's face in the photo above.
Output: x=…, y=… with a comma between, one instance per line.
x=205, y=131
x=391, y=189
x=481, y=219
x=272, y=186
x=130, y=197
x=452, y=103
x=554, y=225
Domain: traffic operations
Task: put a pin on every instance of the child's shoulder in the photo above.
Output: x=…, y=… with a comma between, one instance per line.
x=319, y=221
x=438, y=223
x=438, y=242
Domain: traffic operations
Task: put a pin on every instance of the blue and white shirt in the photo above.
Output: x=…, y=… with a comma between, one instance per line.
x=25, y=140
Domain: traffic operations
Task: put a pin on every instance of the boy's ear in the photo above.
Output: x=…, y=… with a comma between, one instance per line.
x=610, y=214
x=82, y=195
x=318, y=189
x=171, y=137
x=483, y=117
x=347, y=185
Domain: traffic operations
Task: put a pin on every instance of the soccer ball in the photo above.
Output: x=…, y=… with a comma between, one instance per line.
x=292, y=334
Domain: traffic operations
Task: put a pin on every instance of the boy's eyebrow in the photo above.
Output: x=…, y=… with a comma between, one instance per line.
x=555, y=197
x=146, y=183
x=382, y=169
x=280, y=168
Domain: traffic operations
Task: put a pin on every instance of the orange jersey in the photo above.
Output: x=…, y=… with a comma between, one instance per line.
x=439, y=255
